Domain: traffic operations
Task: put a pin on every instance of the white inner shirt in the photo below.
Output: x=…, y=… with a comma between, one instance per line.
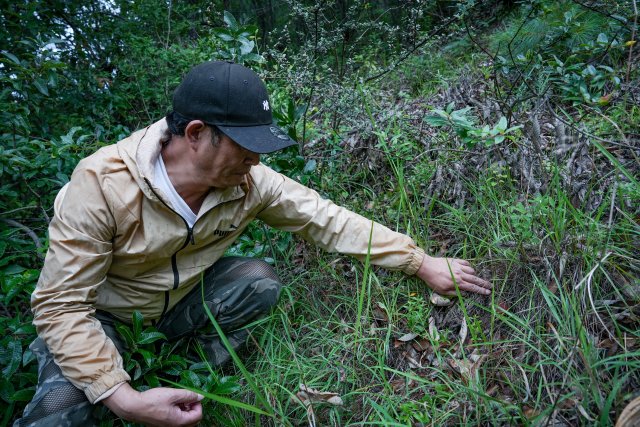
x=175, y=201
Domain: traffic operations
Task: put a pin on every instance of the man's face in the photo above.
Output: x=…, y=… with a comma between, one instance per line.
x=225, y=163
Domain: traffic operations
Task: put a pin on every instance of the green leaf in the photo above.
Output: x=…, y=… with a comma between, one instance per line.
x=137, y=373
x=126, y=334
x=137, y=321
x=153, y=381
x=253, y=57
x=502, y=123
x=602, y=38
x=13, y=356
x=14, y=269
x=148, y=337
x=230, y=20
x=41, y=86
x=246, y=46
x=436, y=121
x=12, y=57
x=224, y=35
x=310, y=166
x=24, y=395
x=191, y=378
x=147, y=356
x=6, y=389
x=227, y=385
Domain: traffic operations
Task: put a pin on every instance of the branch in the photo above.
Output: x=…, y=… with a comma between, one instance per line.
x=29, y=232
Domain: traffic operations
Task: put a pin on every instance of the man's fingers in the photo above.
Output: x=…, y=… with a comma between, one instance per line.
x=463, y=262
x=475, y=280
x=475, y=289
x=186, y=396
x=467, y=269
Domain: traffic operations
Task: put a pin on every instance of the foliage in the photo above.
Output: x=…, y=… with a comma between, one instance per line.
x=239, y=41
x=464, y=127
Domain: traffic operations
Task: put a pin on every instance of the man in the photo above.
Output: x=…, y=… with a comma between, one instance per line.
x=144, y=222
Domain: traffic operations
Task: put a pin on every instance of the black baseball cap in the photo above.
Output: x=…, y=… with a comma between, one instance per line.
x=233, y=98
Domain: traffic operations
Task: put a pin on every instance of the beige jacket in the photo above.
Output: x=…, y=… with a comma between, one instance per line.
x=116, y=246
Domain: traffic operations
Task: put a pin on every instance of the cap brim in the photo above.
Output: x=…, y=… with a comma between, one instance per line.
x=259, y=139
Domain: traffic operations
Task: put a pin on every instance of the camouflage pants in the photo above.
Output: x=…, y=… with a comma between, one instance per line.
x=237, y=291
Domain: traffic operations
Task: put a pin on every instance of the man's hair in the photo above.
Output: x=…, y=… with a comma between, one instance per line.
x=177, y=124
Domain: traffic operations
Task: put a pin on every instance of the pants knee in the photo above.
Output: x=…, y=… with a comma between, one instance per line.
x=268, y=292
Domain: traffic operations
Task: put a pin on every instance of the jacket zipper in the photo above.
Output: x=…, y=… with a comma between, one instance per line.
x=174, y=258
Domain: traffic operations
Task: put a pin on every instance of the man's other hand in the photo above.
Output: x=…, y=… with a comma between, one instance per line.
x=439, y=275
x=157, y=406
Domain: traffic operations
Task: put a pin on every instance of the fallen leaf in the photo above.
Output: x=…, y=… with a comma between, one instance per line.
x=380, y=313
x=503, y=305
x=307, y=395
x=407, y=337
x=463, y=331
x=412, y=357
x=529, y=412
x=422, y=344
x=433, y=331
x=583, y=412
x=630, y=415
x=439, y=300
x=467, y=368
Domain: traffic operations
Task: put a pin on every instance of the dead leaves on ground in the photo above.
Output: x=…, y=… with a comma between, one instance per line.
x=425, y=352
x=308, y=396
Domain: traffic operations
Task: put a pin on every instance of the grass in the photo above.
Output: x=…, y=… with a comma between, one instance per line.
x=547, y=346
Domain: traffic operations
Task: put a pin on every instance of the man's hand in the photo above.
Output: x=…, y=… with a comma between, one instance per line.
x=157, y=406
x=439, y=275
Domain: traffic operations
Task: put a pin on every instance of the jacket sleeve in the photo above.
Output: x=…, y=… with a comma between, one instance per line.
x=76, y=264
x=291, y=206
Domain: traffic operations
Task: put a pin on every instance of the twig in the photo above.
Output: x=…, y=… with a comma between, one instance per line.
x=29, y=232
x=24, y=208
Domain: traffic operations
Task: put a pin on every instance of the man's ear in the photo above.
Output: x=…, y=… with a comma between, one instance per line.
x=193, y=131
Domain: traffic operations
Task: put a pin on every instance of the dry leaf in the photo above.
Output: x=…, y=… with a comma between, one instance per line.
x=439, y=300
x=463, y=331
x=467, y=368
x=407, y=337
x=307, y=395
x=433, y=331
x=630, y=416
x=412, y=358
x=529, y=412
x=422, y=344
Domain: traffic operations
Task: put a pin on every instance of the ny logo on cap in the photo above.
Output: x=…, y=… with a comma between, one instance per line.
x=265, y=105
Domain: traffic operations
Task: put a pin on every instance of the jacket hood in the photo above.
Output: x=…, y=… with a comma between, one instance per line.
x=140, y=151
